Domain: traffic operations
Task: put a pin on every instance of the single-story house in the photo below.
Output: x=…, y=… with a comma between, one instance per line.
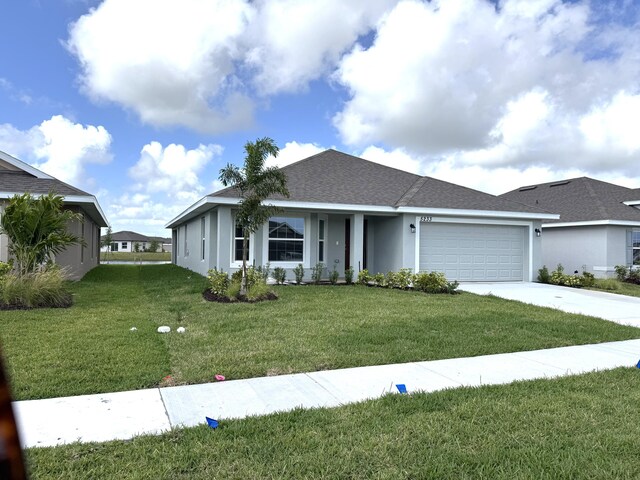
x=17, y=177
x=598, y=228
x=345, y=211
x=125, y=241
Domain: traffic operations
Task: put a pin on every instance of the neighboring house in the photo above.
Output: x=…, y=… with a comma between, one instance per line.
x=348, y=212
x=598, y=228
x=125, y=241
x=17, y=177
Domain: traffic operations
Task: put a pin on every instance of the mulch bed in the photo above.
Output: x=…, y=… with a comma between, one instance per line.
x=209, y=296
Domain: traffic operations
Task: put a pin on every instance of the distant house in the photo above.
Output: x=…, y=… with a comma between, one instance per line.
x=125, y=241
x=17, y=177
x=345, y=211
x=598, y=228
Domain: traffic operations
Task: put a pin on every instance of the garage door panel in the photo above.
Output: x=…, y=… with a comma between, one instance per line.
x=473, y=252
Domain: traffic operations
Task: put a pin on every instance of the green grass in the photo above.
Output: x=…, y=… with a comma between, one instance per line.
x=136, y=257
x=622, y=288
x=583, y=427
x=89, y=348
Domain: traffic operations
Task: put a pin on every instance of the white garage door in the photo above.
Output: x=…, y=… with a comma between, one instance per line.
x=470, y=252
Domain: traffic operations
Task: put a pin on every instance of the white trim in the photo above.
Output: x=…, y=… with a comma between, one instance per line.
x=233, y=263
x=345, y=207
x=479, y=221
x=603, y=269
x=24, y=166
x=632, y=203
x=593, y=223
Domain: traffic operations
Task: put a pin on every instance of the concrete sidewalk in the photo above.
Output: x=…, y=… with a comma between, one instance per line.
x=621, y=309
x=123, y=415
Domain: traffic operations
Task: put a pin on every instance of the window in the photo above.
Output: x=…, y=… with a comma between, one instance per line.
x=186, y=251
x=202, y=236
x=286, y=239
x=82, y=237
x=635, y=244
x=321, y=240
x=238, y=237
x=114, y=247
x=124, y=245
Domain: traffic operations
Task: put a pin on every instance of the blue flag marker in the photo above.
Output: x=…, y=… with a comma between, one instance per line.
x=402, y=388
x=638, y=364
x=211, y=422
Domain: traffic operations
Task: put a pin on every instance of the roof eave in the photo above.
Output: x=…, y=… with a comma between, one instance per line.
x=88, y=202
x=593, y=223
x=207, y=202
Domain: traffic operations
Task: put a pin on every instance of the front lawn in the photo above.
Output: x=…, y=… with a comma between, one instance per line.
x=575, y=427
x=89, y=348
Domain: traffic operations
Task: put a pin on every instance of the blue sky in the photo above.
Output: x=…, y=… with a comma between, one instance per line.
x=141, y=103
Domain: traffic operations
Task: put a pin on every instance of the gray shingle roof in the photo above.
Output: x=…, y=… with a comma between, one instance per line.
x=580, y=200
x=18, y=181
x=128, y=236
x=336, y=177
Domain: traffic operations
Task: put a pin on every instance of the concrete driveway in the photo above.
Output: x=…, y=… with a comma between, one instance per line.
x=616, y=308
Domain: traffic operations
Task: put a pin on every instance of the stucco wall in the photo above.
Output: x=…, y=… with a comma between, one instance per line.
x=596, y=248
x=80, y=259
x=388, y=244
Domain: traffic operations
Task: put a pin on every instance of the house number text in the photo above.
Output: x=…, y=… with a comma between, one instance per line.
x=426, y=219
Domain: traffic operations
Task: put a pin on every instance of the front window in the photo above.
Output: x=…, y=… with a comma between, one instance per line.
x=238, y=238
x=321, y=240
x=635, y=242
x=286, y=239
x=124, y=245
x=114, y=247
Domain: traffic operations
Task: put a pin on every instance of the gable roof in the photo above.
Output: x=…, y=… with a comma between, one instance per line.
x=336, y=177
x=17, y=177
x=581, y=199
x=333, y=180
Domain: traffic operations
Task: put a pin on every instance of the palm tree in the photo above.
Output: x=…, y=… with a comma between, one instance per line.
x=255, y=183
x=37, y=229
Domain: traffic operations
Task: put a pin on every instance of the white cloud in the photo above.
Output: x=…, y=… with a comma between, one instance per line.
x=514, y=85
x=59, y=147
x=291, y=44
x=173, y=170
x=292, y=152
x=170, y=62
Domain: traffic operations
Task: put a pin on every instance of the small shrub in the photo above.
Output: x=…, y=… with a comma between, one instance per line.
x=364, y=277
x=572, y=281
x=258, y=291
x=621, y=272
x=316, y=272
x=5, y=268
x=218, y=281
x=390, y=280
x=588, y=279
x=46, y=287
x=298, y=272
x=265, y=271
x=431, y=282
x=558, y=276
x=633, y=276
x=333, y=276
x=543, y=275
x=379, y=279
x=404, y=278
x=348, y=275
x=279, y=275
x=253, y=276
x=609, y=284
x=452, y=288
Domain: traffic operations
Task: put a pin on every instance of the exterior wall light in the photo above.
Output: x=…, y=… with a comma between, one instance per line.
x=412, y=227
x=538, y=232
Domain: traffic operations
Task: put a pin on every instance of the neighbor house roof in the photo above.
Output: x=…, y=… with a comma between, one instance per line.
x=336, y=180
x=17, y=177
x=129, y=236
x=581, y=199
